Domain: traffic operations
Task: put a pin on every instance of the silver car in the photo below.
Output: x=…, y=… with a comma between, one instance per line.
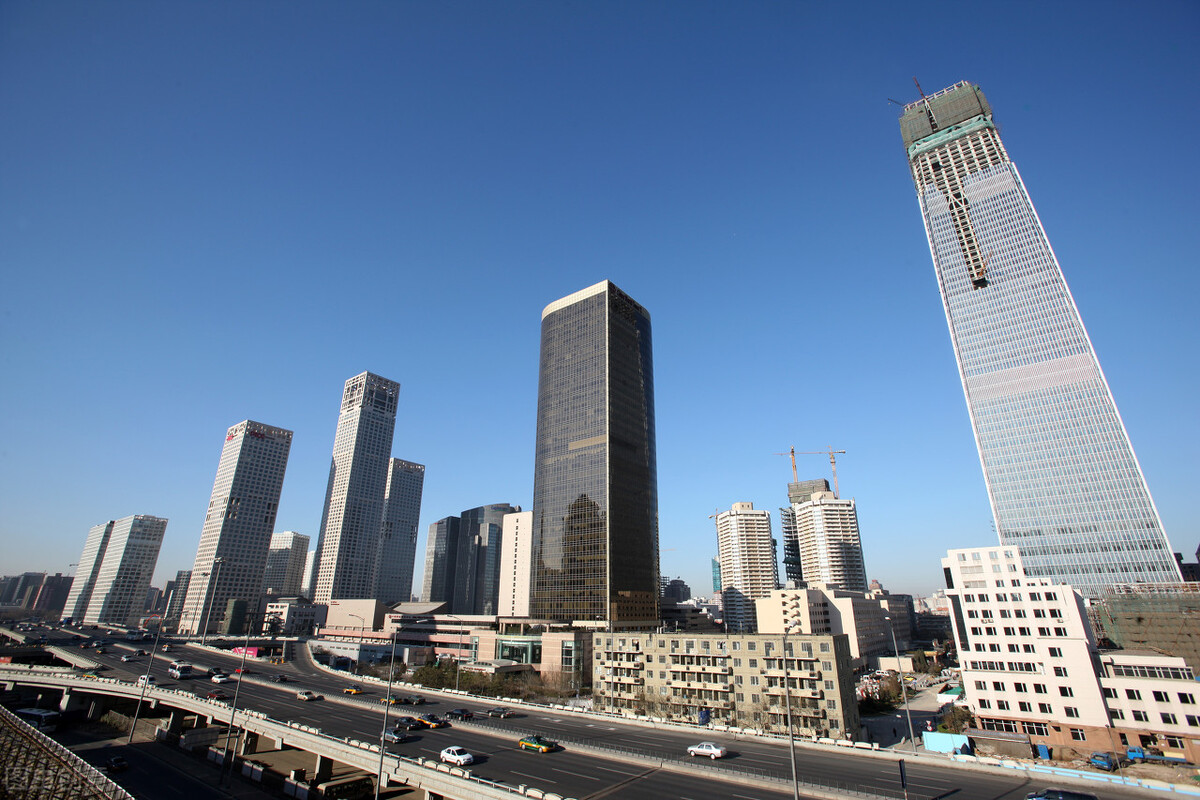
x=710, y=749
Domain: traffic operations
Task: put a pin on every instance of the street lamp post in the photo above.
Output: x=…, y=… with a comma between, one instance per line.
x=212, y=597
x=387, y=705
x=145, y=679
x=903, y=689
x=361, y=628
x=233, y=706
x=787, y=697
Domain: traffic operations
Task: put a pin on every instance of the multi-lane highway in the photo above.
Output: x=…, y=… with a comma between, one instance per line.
x=599, y=758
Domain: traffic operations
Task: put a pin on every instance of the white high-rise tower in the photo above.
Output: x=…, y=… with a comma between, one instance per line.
x=749, y=566
x=350, y=524
x=232, y=555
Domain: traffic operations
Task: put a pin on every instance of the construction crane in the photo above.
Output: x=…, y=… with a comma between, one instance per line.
x=832, y=462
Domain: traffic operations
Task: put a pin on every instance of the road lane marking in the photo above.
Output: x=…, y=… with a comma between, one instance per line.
x=618, y=771
x=576, y=774
x=534, y=777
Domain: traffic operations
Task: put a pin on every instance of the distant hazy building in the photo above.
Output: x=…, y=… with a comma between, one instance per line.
x=362, y=446
x=286, y=558
x=310, y=574
x=397, y=549
x=232, y=555
x=1061, y=474
x=675, y=590
x=121, y=555
x=749, y=563
x=178, y=595
x=463, y=557
x=595, y=487
x=823, y=531
x=52, y=594
x=516, y=564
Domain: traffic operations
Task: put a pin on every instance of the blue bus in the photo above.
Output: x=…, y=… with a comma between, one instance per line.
x=42, y=719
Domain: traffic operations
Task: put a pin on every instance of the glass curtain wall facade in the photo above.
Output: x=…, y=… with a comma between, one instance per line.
x=595, y=495
x=397, y=550
x=1062, y=477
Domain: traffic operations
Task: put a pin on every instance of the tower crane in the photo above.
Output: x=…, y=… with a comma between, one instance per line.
x=832, y=462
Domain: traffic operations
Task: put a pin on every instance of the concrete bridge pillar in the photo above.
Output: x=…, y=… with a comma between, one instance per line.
x=72, y=701
x=174, y=724
x=249, y=745
x=324, y=770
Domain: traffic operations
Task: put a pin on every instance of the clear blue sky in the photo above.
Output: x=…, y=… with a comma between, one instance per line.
x=218, y=211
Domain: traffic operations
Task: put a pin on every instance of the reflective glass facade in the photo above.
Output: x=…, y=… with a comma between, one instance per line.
x=595, y=493
x=1063, y=480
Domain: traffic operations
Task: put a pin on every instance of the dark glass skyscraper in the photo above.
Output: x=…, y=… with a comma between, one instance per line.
x=1064, y=483
x=595, y=488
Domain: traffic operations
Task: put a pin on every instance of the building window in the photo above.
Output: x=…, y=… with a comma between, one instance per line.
x=984, y=703
x=1110, y=692
x=1060, y=672
x=1036, y=728
x=1187, y=699
x=1193, y=721
x=1066, y=691
x=1160, y=697
x=1133, y=694
x=981, y=685
x=1026, y=707
x=1117, y=713
x=1019, y=687
x=1002, y=705
x=1039, y=688
x=1071, y=711
x=1174, y=741
x=1140, y=716
x=1056, y=652
x=1168, y=719
x=1044, y=708
x=1078, y=735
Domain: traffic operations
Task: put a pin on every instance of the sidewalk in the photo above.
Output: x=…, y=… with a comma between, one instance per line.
x=890, y=731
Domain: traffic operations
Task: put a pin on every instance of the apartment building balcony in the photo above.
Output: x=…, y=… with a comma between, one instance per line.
x=795, y=694
x=715, y=687
x=793, y=674
x=702, y=669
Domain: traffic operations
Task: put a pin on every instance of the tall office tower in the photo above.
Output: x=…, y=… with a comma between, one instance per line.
x=1064, y=483
x=175, y=601
x=397, y=549
x=749, y=569
x=798, y=492
x=286, y=557
x=236, y=536
x=516, y=564
x=441, y=559
x=595, y=486
x=87, y=571
x=477, y=581
x=826, y=532
x=362, y=447
x=126, y=565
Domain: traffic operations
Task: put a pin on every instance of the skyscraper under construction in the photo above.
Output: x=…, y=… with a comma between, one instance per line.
x=1062, y=477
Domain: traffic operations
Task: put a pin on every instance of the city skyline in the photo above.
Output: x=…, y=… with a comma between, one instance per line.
x=705, y=168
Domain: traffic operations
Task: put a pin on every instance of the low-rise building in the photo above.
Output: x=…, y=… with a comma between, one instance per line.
x=1031, y=665
x=292, y=616
x=734, y=680
x=822, y=609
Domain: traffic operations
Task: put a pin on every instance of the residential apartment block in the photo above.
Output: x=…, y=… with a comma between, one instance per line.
x=120, y=557
x=1031, y=665
x=733, y=680
x=749, y=563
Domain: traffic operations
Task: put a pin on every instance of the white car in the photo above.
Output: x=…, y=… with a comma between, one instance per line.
x=457, y=756
x=146, y=680
x=710, y=749
x=220, y=678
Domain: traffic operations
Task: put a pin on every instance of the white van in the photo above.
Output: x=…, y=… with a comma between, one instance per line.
x=146, y=680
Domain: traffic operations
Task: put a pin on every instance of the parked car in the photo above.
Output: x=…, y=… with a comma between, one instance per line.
x=396, y=735
x=409, y=723
x=353, y=688
x=538, y=743
x=1108, y=761
x=305, y=694
x=457, y=756
x=432, y=721
x=117, y=764
x=279, y=679
x=460, y=713
x=499, y=711
x=710, y=749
